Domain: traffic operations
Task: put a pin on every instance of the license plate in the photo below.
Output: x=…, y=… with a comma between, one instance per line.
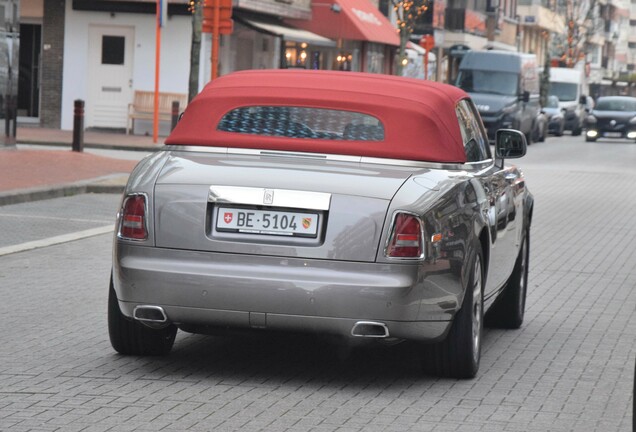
x=613, y=134
x=252, y=221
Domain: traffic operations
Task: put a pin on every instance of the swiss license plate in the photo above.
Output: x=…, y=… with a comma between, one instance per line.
x=272, y=222
x=613, y=134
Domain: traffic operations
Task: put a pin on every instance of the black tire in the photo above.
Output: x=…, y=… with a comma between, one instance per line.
x=133, y=338
x=459, y=354
x=529, y=137
x=560, y=132
x=509, y=309
x=544, y=133
x=588, y=139
x=576, y=131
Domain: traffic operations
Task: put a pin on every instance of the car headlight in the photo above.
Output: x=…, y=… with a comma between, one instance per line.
x=590, y=119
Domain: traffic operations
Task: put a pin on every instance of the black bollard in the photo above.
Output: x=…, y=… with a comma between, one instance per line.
x=78, y=126
x=175, y=114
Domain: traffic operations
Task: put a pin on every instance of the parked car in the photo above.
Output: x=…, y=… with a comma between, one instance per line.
x=505, y=87
x=612, y=117
x=556, y=121
x=350, y=204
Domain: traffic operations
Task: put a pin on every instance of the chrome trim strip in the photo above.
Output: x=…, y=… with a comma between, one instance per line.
x=271, y=197
x=327, y=157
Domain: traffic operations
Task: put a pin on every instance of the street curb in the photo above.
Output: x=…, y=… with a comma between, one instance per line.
x=95, y=185
x=94, y=146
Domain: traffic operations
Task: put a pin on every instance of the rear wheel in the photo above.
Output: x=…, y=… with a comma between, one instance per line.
x=544, y=133
x=459, y=354
x=529, y=137
x=509, y=309
x=131, y=337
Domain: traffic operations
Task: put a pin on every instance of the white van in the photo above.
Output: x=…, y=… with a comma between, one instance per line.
x=570, y=86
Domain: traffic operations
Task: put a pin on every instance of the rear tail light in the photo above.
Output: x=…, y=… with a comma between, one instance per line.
x=406, y=237
x=133, y=218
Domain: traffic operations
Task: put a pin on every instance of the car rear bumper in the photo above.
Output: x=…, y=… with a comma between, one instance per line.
x=555, y=126
x=199, y=289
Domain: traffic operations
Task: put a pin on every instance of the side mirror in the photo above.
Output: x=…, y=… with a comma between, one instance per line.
x=510, y=144
x=583, y=100
x=525, y=96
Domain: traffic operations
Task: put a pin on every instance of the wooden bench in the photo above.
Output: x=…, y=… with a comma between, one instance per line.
x=143, y=107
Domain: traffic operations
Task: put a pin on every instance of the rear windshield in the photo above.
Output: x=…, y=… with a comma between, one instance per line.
x=301, y=122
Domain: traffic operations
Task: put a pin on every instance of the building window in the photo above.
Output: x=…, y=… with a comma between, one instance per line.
x=113, y=50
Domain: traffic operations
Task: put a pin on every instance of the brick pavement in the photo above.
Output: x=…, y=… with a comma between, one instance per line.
x=24, y=169
x=36, y=135
x=27, y=175
x=569, y=368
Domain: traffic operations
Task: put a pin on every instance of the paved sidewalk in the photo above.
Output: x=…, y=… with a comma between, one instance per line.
x=28, y=175
x=106, y=140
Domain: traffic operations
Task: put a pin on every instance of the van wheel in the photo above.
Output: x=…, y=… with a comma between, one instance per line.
x=459, y=354
x=130, y=337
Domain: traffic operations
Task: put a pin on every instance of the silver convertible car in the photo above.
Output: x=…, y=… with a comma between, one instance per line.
x=344, y=204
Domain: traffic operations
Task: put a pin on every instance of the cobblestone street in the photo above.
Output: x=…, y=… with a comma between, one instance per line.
x=569, y=368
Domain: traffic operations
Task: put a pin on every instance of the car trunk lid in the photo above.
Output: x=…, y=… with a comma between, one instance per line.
x=338, y=208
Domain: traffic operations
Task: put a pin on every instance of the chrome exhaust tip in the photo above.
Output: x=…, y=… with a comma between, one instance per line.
x=370, y=329
x=150, y=314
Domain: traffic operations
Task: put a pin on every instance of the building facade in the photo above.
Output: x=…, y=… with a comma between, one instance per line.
x=9, y=65
x=102, y=51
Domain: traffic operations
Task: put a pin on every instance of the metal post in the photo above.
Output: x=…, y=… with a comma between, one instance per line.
x=175, y=114
x=7, y=116
x=78, y=126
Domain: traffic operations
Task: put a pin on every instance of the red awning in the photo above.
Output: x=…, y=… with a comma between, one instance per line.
x=349, y=19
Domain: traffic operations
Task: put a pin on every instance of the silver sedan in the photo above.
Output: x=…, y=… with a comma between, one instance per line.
x=357, y=205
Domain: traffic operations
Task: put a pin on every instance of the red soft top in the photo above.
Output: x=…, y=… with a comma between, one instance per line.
x=418, y=116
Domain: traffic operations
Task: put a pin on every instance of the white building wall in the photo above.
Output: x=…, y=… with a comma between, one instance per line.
x=175, y=54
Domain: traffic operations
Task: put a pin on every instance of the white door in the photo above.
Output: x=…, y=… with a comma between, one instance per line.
x=110, y=60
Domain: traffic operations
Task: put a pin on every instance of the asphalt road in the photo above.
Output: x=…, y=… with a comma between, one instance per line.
x=569, y=368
